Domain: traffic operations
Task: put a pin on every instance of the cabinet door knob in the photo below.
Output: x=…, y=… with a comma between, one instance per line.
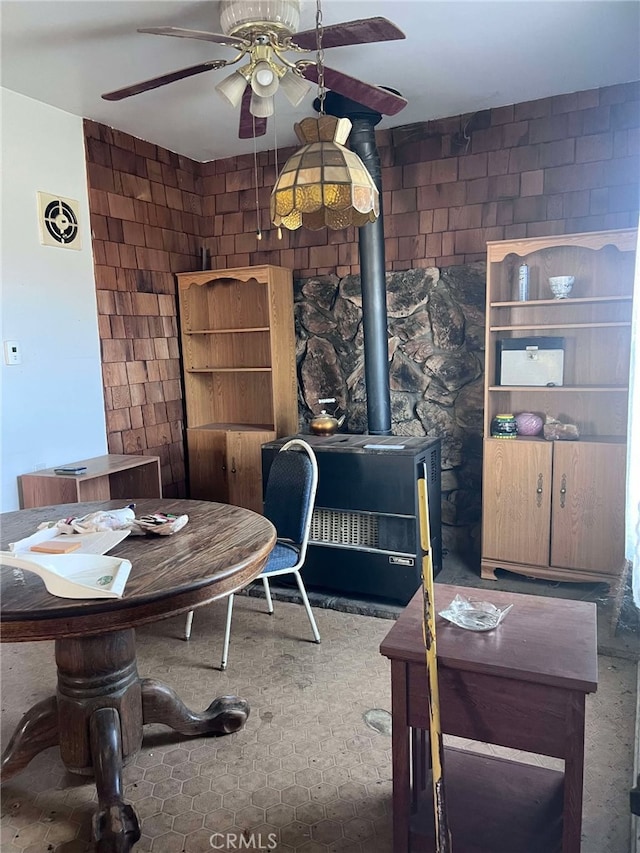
x=539, y=491
x=563, y=490
x=233, y=464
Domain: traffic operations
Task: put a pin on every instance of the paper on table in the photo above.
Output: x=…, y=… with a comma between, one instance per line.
x=90, y=543
x=35, y=539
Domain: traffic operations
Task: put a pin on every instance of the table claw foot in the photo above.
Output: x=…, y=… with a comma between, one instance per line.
x=115, y=824
x=115, y=829
x=37, y=730
x=227, y=714
x=161, y=704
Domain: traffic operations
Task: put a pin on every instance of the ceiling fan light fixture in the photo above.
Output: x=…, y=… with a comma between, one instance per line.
x=240, y=16
x=264, y=80
x=294, y=87
x=232, y=88
x=261, y=107
x=324, y=184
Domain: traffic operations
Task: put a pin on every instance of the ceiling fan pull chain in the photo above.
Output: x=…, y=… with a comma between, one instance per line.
x=255, y=169
x=322, y=92
x=275, y=145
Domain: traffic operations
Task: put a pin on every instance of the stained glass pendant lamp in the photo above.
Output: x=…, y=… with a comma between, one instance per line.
x=323, y=184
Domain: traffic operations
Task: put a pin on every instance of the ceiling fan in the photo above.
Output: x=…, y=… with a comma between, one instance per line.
x=263, y=31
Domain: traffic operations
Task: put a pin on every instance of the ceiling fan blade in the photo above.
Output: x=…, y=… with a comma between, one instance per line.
x=218, y=38
x=247, y=121
x=156, y=82
x=375, y=97
x=362, y=31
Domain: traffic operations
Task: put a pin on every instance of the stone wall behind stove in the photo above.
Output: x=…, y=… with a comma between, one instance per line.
x=436, y=365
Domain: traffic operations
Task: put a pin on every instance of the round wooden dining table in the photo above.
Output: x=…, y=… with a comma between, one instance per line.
x=101, y=704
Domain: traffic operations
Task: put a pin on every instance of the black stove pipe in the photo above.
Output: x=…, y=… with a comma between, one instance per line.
x=362, y=141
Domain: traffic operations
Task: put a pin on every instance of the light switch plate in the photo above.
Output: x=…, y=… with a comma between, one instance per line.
x=12, y=354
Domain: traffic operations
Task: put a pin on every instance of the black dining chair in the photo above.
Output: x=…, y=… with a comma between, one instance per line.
x=289, y=500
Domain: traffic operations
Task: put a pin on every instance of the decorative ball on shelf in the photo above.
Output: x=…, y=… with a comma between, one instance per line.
x=529, y=423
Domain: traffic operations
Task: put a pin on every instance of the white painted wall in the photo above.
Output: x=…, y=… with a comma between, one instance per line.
x=633, y=450
x=52, y=403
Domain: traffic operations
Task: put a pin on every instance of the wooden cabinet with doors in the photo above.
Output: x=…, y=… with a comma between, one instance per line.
x=549, y=504
x=238, y=354
x=555, y=509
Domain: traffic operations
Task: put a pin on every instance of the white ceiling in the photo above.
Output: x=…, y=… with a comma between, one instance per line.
x=459, y=56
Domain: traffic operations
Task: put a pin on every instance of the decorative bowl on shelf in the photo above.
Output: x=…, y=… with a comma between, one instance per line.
x=561, y=285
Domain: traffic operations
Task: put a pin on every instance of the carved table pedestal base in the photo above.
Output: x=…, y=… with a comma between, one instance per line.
x=97, y=718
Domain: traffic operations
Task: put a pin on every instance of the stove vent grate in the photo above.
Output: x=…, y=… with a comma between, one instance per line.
x=337, y=527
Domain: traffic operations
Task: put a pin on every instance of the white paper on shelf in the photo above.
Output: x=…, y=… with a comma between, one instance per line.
x=384, y=446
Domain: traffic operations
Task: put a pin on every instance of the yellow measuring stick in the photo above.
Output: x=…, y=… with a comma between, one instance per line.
x=443, y=835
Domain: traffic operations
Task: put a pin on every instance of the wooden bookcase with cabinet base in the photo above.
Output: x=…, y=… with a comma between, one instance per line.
x=555, y=509
x=238, y=353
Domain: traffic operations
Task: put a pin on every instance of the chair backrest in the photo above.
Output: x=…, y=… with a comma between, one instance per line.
x=291, y=492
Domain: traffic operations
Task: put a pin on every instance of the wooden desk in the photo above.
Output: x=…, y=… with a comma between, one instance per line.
x=101, y=704
x=110, y=477
x=521, y=686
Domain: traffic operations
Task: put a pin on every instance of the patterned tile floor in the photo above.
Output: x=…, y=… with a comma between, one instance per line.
x=307, y=774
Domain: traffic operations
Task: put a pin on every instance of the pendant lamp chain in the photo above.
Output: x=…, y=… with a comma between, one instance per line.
x=323, y=184
x=322, y=92
x=275, y=143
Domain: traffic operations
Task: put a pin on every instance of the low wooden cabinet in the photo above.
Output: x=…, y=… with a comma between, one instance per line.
x=555, y=509
x=110, y=477
x=226, y=465
x=238, y=353
x=516, y=503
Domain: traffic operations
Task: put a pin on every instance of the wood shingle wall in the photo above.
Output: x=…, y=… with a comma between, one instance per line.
x=564, y=164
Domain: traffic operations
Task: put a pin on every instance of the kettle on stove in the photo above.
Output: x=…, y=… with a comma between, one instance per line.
x=325, y=423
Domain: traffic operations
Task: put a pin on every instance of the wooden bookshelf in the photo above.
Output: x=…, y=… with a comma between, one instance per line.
x=238, y=356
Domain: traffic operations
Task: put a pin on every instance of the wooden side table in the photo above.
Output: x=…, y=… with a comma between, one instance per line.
x=110, y=477
x=521, y=686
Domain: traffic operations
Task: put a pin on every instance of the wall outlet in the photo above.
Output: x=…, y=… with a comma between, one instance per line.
x=12, y=354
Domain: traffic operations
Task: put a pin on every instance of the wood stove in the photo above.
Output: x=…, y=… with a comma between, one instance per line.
x=365, y=538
